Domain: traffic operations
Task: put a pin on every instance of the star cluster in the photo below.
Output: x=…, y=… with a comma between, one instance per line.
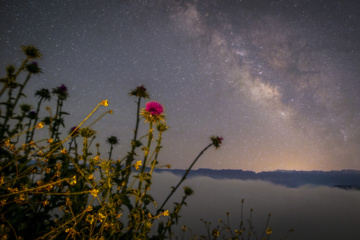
x=277, y=79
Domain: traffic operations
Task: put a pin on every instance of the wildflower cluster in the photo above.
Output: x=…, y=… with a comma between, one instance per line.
x=57, y=188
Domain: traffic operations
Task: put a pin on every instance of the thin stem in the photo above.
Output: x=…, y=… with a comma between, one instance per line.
x=36, y=118
x=130, y=157
x=21, y=89
x=183, y=178
x=150, y=136
x=111, y=149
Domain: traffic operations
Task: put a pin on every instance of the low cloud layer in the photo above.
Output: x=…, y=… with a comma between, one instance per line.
x=314, y=212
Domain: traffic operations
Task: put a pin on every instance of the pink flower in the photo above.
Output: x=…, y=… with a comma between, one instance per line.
x=154, y=108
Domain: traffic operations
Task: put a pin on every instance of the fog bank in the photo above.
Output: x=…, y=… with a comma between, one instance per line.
x=315, y=212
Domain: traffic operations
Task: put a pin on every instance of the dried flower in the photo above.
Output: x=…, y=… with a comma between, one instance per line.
x=140, y=92
x=112, y=140
x=33, y=68
x=25, y=107
x=216, y=141
x=32, y=115
x=43, y=94
x=188, y=191
x=87, y=132
x=61, y=92
x=162, y=127
x=31, y=52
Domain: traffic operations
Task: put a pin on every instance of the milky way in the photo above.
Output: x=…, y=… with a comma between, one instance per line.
x=277, y=79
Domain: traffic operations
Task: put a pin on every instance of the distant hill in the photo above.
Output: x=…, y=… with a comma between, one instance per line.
x=346, y=179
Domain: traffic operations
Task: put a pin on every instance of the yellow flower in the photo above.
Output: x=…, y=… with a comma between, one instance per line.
x=73, y=180
x=91, y=177
x=268, y=231
x=46, y=202
x=101, y=217
x=12, y=147
x=32, y=144
x=50, y=140
x=63, y=151
x=166, y=213
x=68, y=202
x=40, y=125
x=94, y=192
x=89, y=208
x=215, y=233
x=119, y=215
x=104, y=103
x=137, y=165
x=90, y=218
x=7, y=143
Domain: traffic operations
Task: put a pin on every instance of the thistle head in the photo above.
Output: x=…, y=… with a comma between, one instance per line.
x=46, y=120
x=153, y=112
x=140, y=92
x=162, y=127
x=216, y=141
x=31, y=52
x=61, y=92
x=87, y=132
x=112, y=140
x=188, y=191
x=33, y=68
x=32, y=115
x=25, y=107
x=74, y=131
x=43, y=94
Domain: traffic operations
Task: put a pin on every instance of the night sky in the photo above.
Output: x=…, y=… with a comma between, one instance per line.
x=279, y=80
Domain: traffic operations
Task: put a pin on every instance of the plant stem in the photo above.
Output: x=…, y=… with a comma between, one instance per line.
x=183, y=178
x=141, y=177
x=130, y=157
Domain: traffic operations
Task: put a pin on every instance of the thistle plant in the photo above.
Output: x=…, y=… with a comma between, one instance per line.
x=57, y=188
